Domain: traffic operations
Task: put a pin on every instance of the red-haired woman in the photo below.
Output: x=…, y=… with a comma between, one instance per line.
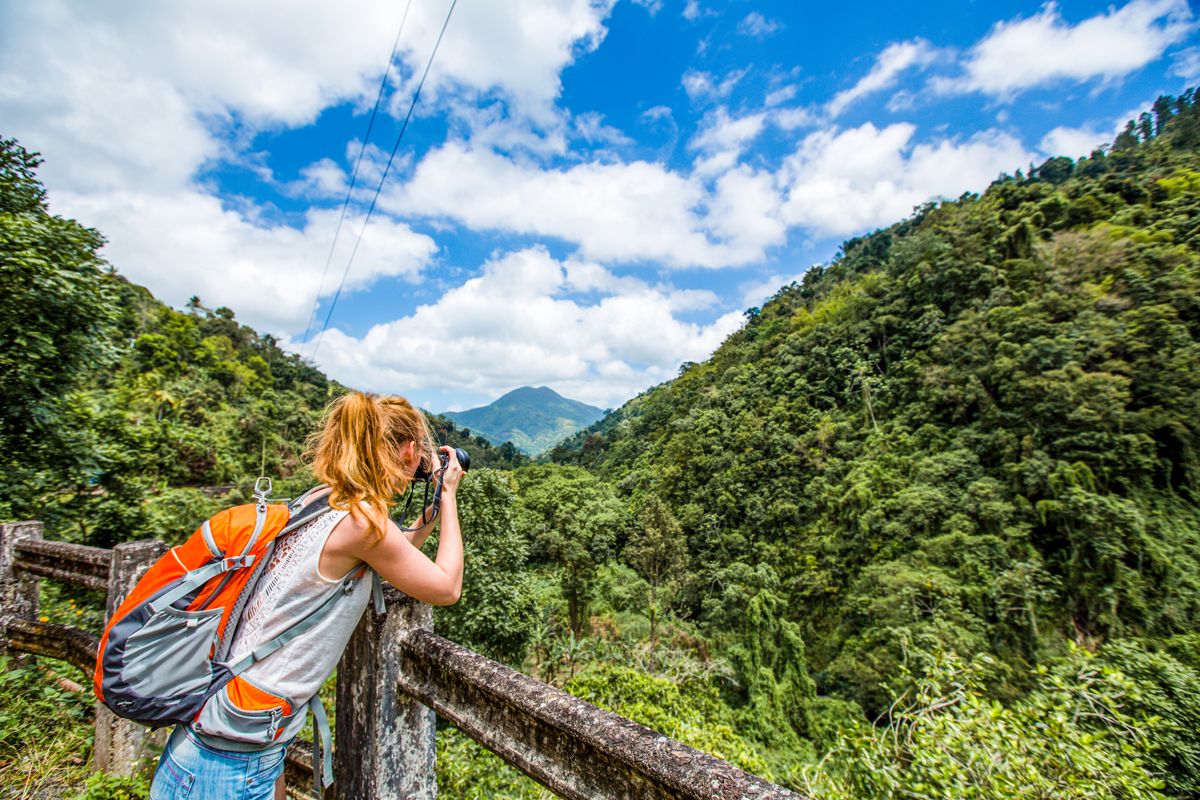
x=367, y=452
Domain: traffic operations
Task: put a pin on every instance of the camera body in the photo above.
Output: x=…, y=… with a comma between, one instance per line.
x=425, y=476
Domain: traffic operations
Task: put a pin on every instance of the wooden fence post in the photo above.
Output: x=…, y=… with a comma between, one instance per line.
x=18, y=592
x=124, y=747
x=386, y=738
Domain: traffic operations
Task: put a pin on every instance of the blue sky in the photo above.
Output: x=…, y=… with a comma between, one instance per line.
x=590, y=192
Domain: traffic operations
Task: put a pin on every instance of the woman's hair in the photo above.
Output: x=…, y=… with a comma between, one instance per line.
x=360, y=452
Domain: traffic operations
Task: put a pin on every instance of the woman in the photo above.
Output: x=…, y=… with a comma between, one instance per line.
x=367, y=452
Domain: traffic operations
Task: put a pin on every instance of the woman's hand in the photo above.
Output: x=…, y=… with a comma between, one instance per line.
x=453, y=472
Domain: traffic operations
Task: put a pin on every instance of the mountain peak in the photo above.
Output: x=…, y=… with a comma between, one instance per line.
x=532, y=418
x=531, y=393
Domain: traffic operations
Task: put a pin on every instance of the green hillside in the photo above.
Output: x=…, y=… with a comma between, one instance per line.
x=532, y=419
x=976, y=431
x=927, y=526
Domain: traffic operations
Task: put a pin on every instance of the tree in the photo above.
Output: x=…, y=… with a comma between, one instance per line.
x=572, y=520
x=55, y=307
x=496, y=612
x=1070, y=739
x=658, y=551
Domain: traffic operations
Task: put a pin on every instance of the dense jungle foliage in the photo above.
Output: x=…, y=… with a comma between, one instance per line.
x=973, y=432
x=927, y=526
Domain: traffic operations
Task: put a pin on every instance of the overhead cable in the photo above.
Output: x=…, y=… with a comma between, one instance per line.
x=379, y=188
x=312, y=315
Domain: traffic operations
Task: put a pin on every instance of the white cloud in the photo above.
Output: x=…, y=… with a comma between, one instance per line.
x=843, y=182
x=518, y=47
x=322, y=179
x=722, y=139
x=129, y=103
x=704, y=86
x=895, y=59
x=789, y=119
x=757, y=26
x=1023, y=53
x=1073, y=142
x=691, y=10
x=618, y=212
x=186, y=244
x=779, y=96
x=1186, y=64
x=723, y=132
x=591, y=127
x=517, y=323
x=757, y=292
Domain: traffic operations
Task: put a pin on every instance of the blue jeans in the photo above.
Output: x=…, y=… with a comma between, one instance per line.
x=192, y=770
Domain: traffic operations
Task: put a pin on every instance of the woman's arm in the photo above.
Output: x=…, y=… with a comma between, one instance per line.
x=419, y=534
x=396, y=558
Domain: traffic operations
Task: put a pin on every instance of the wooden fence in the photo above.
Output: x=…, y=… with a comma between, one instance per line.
x=395, y=675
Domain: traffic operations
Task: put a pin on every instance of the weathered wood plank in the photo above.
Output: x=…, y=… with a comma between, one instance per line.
x=124, y=747
x=297, y=771
x=18, y=590
x=577, y=750
x=54, y=641
x=62, y=561
x=385, y=739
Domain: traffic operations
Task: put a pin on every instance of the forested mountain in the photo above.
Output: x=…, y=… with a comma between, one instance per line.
x=927, y=526
x=532, y=419
x=974, y=431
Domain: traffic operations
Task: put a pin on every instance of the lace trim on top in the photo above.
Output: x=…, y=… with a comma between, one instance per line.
x=291, y=554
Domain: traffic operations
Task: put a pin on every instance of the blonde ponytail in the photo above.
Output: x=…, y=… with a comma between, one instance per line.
x=360, y=451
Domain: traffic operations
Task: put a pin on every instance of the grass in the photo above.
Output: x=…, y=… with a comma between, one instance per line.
x=45, y=731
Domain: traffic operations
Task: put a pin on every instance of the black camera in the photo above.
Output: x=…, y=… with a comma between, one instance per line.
x=464, y=461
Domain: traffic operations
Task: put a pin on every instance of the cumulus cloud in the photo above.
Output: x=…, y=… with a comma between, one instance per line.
x=722, y=139
x=780, y=96
x=723, y=132
x=701, y=85
x=840, y=182
x=518, y=47
x=201, y=79
x=187, y=244
x=1023, y=53
x=523, y=321
x=758, y=291
x=889, y=64
x=1073, y=142
x=1186, y=64
x=757, y=26
x=614, y=212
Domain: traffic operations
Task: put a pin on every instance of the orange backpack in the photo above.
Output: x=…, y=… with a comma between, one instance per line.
x=164, y=651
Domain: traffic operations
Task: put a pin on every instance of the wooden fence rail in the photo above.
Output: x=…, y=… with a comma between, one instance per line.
x=395, y=674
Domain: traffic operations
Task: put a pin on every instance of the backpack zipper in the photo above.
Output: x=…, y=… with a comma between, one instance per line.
x=276, y=717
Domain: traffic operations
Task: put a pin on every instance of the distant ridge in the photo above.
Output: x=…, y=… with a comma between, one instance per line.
x=533, y=419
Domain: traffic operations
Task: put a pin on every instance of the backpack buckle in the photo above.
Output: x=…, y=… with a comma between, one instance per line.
x=262, y=488
x=236, y=562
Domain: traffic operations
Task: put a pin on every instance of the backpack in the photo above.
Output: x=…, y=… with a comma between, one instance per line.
x=165, y=650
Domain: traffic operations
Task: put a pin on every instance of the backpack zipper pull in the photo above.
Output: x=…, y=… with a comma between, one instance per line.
x=276, y=716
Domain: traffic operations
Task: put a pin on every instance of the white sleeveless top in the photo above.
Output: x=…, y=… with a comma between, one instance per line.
x=292, y=587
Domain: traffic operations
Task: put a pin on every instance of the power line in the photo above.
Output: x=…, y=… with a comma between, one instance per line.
x=312, y=315
x=386, y=169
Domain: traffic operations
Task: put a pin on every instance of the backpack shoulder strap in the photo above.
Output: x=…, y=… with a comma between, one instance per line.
x=322, y=747
x=301, y=515
x=377, y=592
